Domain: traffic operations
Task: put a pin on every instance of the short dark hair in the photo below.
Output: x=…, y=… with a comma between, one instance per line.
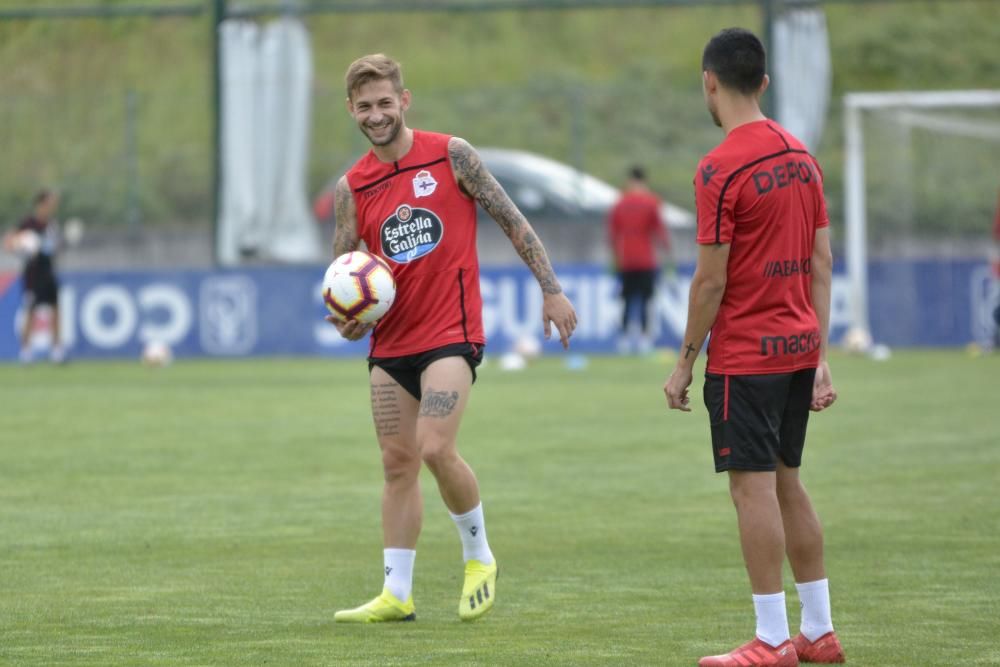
x=637, y=173
x=738, y=58
x=42, y=196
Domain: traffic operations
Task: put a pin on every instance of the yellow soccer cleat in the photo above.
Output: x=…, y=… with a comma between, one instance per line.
x=479, y=590
x=385, y=608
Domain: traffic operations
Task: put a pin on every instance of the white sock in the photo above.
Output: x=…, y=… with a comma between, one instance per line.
x=772, y=618
x=814, y=596
x=472, y=530
x=399, y=572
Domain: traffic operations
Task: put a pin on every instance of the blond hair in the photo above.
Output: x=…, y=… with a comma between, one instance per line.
x=374, y=67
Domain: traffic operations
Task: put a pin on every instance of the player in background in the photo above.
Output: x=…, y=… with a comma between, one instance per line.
x=762, y=286
x=635, y=230
x=41, y=286
x=412, y=200
x=996, y=275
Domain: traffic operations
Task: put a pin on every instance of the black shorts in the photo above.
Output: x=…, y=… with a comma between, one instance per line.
x=40, y=282
x=638, y=283
x=42, y=292
x=758, y=419
x=407, y=370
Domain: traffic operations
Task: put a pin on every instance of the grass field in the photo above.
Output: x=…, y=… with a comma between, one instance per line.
x=217, y=513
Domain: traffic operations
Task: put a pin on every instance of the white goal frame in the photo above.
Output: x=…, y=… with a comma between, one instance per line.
x=856, y=232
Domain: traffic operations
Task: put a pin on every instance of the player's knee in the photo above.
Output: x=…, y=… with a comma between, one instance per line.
x=437, y=454
x=747, y=488
x=790, y=491
x=399, y=464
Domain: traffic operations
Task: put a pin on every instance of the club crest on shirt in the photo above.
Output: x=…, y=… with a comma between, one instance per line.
x=410, y=233
x=424, y=184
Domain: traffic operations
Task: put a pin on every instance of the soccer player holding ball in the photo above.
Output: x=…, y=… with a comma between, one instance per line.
x=412, y=200
x=762, y=286
x=37, y=239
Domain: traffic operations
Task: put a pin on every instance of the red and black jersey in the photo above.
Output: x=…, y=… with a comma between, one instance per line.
x=413, y=213
x=762, y=192
x=634, y=226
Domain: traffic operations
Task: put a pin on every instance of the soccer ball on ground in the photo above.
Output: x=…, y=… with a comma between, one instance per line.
x=856, y=340
x=358, y=286
x=156, y=353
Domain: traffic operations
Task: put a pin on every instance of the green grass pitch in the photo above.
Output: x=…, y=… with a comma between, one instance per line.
x=218, y=513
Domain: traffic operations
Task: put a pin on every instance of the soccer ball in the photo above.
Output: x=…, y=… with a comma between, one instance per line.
x=856, y=340
x=358, y=286
x=156, y=353
x=26, y=243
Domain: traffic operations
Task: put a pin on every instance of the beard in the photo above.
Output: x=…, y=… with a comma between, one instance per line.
x=715, y=116
x=394, y=126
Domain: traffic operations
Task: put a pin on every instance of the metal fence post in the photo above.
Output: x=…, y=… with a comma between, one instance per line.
x=133, y=206
x=219, y=10
x=768, y=102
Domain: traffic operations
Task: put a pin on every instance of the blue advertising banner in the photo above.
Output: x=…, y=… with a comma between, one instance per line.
x=279, y=311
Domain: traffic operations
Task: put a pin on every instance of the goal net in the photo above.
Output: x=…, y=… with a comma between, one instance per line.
x=921, y=175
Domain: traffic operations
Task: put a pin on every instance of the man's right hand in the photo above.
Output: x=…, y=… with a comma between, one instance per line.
x=352, y=329
x=824, y=394
x=676, y=389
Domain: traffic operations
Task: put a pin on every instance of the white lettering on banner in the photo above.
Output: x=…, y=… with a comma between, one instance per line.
x=512, y=306
x=108, y=316
x=228, y=322
x=171, y=300
x=67, y=316
x=672, y=305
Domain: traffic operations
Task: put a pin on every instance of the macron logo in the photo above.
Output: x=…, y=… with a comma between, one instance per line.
x=473, y=530
x=707, y=172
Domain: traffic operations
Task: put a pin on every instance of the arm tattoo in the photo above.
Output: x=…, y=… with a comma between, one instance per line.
x=345, y=237
x=438, y=403
x=688, y=350
x=385, y=409
x=476, y=179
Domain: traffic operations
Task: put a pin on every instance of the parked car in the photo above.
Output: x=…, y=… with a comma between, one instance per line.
x=568, y=208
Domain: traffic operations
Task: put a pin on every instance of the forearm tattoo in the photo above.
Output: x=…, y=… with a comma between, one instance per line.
x=345, y=237
x=689, y=350
x=438, y=403
x=385, y=409
x=480, y=184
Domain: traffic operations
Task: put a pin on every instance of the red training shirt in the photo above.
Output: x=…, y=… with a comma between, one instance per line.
x=413, y=213
x=762, y=192
x=634, y=224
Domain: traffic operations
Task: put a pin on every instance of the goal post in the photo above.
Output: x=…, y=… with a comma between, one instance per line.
x=907, y=108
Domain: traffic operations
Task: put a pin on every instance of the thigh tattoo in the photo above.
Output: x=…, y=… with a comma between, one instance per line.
x=385, y=409
x=438, y=403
